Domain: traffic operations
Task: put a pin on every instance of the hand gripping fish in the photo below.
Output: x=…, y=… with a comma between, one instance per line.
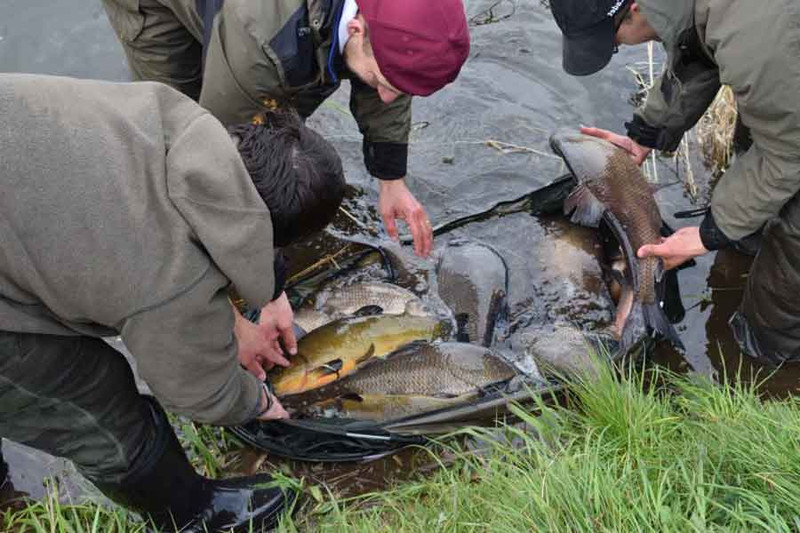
x=611, y=188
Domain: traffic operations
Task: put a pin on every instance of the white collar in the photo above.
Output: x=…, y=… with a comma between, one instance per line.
x=349, y=12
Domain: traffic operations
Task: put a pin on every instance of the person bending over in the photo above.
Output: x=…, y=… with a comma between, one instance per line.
x=239, y=57
x=752, y=47
x=128, y=210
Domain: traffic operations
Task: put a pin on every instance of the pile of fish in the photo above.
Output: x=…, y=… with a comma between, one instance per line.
x=375, y=351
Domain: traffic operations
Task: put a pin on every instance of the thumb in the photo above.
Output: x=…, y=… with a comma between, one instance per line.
x=391, y=226
x=289, y=339
x=647, y=250
x=256, y=369
x=594, y=132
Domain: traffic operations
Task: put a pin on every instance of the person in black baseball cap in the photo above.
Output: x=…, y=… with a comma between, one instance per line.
x=593, y=29
x=752, y=48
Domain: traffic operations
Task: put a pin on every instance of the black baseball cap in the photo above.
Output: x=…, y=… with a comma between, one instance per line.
x=588, y=28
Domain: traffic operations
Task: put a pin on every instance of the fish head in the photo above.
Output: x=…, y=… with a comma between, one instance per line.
x=417, y=307
x=587, y=157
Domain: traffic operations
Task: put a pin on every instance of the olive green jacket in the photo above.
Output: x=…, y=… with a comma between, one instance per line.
x=126, y=210
x=754, y=47
x=280, y=50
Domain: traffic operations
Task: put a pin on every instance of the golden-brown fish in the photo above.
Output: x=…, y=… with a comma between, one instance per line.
x=338, y=348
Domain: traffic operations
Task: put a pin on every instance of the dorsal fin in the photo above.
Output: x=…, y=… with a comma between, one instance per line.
x=369, y=310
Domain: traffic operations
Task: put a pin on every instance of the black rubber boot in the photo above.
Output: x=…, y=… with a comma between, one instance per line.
x=164, y=488
x=3, y=469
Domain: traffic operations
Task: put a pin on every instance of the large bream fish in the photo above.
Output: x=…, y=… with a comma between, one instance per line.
x=611, y=188
x=419, y=377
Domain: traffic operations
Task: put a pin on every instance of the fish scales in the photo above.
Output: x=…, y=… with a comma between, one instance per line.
x=392, y=299
x=623, y=189
x=374, y=297
x=444, y=369
x=611, y=188
x=432, y=370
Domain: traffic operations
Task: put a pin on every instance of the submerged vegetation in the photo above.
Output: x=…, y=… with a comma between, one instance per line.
x=686, y=454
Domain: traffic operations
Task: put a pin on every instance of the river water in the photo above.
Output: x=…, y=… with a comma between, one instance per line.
x=481, y=141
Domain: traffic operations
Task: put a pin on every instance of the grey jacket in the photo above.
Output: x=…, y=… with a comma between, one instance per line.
x=755, y=48
x=127, y=210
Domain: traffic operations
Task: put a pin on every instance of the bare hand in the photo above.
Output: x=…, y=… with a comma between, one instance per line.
x=258, y=344
x=676, y=249
x=396, y=201
x=638, y=152
x=276, y=412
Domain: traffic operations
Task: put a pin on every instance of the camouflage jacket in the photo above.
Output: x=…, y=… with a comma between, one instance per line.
x=754, y=47
x=286, y=52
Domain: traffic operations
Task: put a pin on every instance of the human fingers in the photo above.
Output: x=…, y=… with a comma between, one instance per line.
x=265, y=364
x=253, y=365
x=598, y=132
x=671, y=259
x=421, y=231
x=391, y=226
x=289, y=339
x=274, y=355
x=649, y=250
x=275, y=412
x=638, y=153
x=426, y=233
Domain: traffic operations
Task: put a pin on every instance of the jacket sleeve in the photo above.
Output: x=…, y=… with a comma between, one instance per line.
x=759, y=182
x=385, y=128
x=186, y=352
x=674, y=104
x=759, y=59
x=237, y=70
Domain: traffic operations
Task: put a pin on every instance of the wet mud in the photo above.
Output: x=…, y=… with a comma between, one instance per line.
x=481, y=141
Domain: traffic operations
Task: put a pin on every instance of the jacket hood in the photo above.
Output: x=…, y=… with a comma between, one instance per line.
x=669, y=18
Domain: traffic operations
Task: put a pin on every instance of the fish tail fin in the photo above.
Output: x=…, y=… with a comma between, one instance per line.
x=634, y=329
x=656, y=319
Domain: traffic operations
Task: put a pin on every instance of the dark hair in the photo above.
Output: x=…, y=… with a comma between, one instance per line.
x=297, y=173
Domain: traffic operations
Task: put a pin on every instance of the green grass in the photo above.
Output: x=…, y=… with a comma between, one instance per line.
x=687, y=455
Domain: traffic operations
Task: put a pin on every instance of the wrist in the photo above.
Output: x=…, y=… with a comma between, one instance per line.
x=711, y=237
x=393, y=184
x=279, y=274
x=265, y=401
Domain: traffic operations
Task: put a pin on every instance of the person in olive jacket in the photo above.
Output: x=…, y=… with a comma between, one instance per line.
x=238, y=57
x=130, y=210
x=752, y=47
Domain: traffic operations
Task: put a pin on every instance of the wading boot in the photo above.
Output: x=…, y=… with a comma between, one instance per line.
x=3, y=466
x=10, y=498
x=164, y=488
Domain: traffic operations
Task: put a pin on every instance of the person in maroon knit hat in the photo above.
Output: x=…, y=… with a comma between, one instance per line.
x=240, y=57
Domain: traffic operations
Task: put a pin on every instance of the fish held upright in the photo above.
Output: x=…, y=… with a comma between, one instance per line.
x=611, y=189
